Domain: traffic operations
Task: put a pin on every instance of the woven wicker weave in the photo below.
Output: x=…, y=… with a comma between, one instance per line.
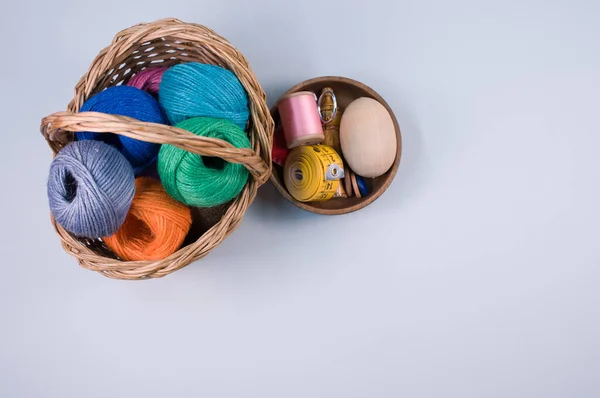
x=165, y=42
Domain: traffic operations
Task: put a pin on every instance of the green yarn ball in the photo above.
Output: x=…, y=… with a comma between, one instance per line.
x=203, y=181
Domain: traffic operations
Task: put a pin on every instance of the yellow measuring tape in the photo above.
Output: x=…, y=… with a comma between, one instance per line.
x=313, y=172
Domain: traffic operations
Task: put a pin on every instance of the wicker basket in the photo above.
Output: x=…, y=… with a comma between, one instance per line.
x=164, y=42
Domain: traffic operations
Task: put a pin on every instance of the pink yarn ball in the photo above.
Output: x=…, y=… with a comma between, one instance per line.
x=149, y=79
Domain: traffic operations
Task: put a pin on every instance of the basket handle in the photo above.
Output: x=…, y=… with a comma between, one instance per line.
x=58, y=128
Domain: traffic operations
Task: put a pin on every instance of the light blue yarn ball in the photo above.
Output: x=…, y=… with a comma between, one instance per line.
x=90, y=188
x=195, y=89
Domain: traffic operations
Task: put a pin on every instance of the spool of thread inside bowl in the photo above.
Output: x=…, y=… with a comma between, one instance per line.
x=149, y=79
x=134, y=103
x=194, y=90
x=155, y=227
x=90, y=188
x=332, y=116
x=280, y=150
x=300, y=119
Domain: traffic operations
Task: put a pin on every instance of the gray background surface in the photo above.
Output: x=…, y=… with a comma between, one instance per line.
x=475, y=275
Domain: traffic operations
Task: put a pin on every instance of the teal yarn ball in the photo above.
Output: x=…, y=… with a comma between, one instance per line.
x=195, y=89
x=203, y=181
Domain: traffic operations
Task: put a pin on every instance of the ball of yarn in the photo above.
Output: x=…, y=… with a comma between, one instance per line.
x=155, y=227
x=134, y=103
x=148, y=80
x=194, y=89
x=203, y=181
x=90, y=188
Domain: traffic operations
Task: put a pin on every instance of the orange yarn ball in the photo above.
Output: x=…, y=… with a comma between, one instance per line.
x=155, y=227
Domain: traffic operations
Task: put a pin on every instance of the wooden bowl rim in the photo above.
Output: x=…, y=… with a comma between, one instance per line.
x=390, y=174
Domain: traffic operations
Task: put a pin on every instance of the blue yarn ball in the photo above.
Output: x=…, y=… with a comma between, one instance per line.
x=90, y=188
x=134, y=103
x=194, y=89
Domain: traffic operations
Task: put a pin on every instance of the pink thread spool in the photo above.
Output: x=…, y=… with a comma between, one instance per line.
x=300, y=119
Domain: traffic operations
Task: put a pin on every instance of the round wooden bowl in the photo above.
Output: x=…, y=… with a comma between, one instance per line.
x=346, y=90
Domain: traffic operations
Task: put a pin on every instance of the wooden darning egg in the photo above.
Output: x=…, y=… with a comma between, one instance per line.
x=368, y=137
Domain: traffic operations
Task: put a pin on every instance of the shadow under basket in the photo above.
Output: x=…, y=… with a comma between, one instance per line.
x=346, y=90
x=165, y=43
